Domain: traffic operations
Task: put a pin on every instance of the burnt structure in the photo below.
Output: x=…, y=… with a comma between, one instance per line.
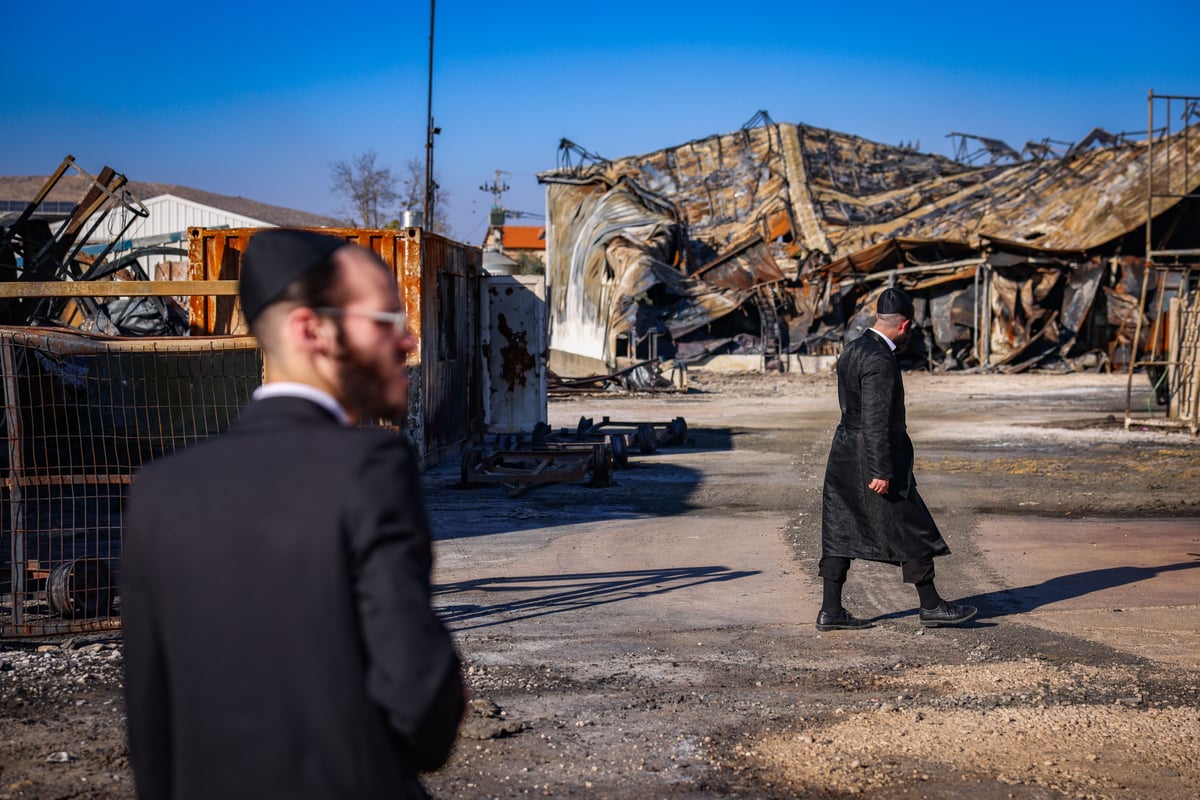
x=774, y=241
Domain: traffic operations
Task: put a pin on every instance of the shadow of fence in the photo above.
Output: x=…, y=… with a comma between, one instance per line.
x=526, y=597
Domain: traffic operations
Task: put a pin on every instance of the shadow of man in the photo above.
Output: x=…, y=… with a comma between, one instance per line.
x=1021, y=599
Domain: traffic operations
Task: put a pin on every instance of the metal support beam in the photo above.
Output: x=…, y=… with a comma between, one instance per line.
x=118, y=289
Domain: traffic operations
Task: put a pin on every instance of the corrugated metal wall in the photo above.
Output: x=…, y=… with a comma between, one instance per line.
x=170, y=214
x=450, y=358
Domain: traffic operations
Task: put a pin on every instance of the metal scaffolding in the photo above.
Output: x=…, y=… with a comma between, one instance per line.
x=1166, y=341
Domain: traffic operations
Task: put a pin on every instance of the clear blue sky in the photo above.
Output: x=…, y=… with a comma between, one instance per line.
x=257, y=99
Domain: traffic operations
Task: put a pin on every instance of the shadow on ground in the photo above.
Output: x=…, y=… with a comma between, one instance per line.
x=1022, y=599
x=529, y=596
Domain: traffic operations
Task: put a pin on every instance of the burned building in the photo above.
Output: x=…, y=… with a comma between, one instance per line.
x=774, y=240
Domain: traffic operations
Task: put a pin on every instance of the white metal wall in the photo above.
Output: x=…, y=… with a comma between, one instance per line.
x=168, y=222
x=514, y=344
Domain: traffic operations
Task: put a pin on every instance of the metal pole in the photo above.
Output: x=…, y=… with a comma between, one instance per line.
x=1146, y=261
x=16, y=472
x=986, y=360
x=1191, y=322
x=975, y=318
x=1149, y=170
x=429, y=130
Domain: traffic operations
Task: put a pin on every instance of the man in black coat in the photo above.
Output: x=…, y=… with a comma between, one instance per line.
x=871, y=508
x=279, y=640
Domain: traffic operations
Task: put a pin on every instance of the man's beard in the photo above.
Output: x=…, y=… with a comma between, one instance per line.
x=363, y=388
x=364, y=394
x=902, y=339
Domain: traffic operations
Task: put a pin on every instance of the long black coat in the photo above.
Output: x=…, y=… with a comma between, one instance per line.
x=279, y=641
x=872, y=442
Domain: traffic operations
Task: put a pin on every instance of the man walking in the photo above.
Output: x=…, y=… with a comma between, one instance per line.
x=871, y=508
x=279, y=640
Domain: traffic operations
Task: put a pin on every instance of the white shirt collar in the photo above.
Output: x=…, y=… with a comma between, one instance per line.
x=891, y=345
x=303, y=390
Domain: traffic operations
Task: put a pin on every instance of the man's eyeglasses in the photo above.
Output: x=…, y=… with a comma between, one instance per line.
x=397, y=319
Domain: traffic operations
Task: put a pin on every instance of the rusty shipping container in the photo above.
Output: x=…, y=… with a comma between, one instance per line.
x=441, y=286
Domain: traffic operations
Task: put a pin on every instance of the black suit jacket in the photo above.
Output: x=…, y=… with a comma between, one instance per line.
x=279, y=640
x=871, y=441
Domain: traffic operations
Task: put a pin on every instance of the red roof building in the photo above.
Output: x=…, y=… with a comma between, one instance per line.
x=524, y=244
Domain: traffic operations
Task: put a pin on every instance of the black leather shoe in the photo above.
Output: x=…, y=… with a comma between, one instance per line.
x=946, y=614
x=843, y=620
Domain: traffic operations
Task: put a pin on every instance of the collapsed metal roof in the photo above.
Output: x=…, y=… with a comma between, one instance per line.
x=779, y=215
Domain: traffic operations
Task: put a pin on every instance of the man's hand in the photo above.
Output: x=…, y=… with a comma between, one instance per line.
x=879, y=485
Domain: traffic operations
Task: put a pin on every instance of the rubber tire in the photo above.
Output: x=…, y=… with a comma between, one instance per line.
x=602, y=467
x=472, y=457
x=647, y=441
x=620, y=450
x=678, y=430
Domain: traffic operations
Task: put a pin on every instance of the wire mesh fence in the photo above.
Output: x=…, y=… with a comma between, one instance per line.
x=81, y=415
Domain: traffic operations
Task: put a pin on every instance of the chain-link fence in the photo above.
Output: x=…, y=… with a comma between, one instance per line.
x=81, y=415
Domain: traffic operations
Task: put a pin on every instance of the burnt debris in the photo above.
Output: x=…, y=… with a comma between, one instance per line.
x=56, y=241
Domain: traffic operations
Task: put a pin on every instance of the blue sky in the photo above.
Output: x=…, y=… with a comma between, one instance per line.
x=257, y=99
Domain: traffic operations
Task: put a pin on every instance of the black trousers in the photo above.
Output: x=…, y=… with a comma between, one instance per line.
x=834, y=568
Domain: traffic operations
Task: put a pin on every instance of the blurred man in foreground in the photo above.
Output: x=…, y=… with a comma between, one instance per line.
x=279, y=639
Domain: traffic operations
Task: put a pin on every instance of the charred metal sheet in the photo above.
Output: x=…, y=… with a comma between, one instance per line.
x=953, y=320
x=625, y=250
x=1078, y=298
x=1122, y=313
x=743, y=267
x=1018, y=306
x=898, y=253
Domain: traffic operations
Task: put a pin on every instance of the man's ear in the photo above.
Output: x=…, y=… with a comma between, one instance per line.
x=305, y=330
x=905, y=325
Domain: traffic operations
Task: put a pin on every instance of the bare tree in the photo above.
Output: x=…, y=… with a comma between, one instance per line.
x=370, y=190
x=412, y=196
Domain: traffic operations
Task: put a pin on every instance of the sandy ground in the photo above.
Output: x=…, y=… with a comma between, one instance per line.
x=654, y=638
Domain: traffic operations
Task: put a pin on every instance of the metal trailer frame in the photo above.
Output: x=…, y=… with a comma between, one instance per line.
x=522, y=469
x=648, y=436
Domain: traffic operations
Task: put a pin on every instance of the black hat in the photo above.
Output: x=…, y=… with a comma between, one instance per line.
x=273, y=259
x=895, y=301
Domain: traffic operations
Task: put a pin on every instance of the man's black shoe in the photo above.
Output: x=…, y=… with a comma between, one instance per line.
x=946, y=614
x=842, y=620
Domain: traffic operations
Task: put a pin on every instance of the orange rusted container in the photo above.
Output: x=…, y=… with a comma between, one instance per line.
x=440, y=278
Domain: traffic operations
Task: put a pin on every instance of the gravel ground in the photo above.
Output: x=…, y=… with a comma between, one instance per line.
x=680, y=682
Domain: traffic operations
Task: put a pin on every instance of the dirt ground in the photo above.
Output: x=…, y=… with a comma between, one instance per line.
x=654, y=639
